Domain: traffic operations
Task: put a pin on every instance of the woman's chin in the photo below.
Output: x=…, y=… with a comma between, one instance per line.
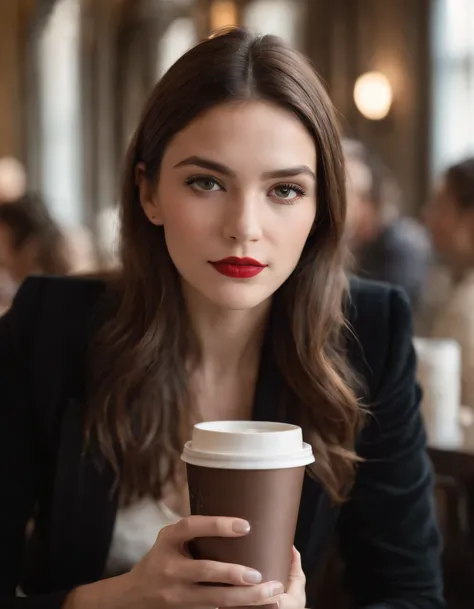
x=239, y=302
x=235, y=298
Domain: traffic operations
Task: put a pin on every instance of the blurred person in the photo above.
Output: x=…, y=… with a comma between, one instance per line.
x=386, y=247
x=30, y=243
x=78, y=243
x=232, y=301
x=450, y=218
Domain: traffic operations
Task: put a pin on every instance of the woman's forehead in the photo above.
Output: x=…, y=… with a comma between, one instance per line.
x=242, y=135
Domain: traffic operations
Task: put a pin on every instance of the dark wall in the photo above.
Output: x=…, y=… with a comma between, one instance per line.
x=350, y=37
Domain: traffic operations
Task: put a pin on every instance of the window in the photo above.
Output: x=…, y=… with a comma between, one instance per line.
x=59, y=112
x=284, y=18
x=178, y=38
x=453, y=82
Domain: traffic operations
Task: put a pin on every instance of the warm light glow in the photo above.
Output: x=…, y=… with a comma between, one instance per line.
x=373, y=95
x=223, y=14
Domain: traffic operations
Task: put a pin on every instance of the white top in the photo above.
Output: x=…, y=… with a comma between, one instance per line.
x=135, y=531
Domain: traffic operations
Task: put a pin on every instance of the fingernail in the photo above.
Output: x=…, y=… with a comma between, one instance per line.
x=240, y=526
x=275, y=589
x=252, y=577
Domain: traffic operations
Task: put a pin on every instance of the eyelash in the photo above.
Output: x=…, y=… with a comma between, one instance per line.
x=193, y=179
x=298, y=190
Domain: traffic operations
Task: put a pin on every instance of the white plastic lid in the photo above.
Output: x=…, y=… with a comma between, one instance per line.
x=247, y=445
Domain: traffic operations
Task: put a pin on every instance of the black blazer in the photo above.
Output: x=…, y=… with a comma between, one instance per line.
x=387, y=532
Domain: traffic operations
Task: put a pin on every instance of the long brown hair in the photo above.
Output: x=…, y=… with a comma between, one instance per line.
x=139, y=397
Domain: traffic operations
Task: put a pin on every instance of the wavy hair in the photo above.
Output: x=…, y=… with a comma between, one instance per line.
x=139, y=398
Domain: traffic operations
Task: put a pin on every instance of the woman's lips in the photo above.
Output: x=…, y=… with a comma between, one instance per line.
x=239, y=268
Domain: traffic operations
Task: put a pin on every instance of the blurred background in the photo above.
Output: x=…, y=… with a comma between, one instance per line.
x=74, y=75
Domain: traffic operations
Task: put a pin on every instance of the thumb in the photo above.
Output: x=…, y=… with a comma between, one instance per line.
x=297, y=576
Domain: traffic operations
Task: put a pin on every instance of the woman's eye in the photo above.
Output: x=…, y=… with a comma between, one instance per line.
x=288, y=192
x=203, y=183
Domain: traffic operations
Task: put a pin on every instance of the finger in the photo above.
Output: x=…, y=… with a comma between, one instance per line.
x=192, y=527
x=208, y=571
x=235, y=596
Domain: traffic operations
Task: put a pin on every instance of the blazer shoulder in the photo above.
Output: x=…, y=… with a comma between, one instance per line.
x=48, y=311
x=79, y=285
x=378, y=315
x=371, y=295
x=45, y=292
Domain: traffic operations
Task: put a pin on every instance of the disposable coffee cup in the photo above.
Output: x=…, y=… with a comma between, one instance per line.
x=439, y=374
x=251, y=470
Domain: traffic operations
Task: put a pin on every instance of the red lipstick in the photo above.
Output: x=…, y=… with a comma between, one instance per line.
x=238, y=268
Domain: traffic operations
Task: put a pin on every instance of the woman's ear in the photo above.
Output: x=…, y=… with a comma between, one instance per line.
x=148, y=196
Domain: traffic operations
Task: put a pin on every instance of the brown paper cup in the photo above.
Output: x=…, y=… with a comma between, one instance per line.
x=264, y=489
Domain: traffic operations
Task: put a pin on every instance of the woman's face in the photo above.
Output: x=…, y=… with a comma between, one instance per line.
x=238, y=182
x=450, y=226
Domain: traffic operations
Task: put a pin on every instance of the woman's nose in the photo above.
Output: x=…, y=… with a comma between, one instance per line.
x=243, y=222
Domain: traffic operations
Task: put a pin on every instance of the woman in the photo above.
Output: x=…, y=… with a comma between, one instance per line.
x=30, y=242
x=232, y=304
x=450, y=218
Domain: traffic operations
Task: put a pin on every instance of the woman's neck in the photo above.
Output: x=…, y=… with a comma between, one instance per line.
x=223, y=378
x=229, y=341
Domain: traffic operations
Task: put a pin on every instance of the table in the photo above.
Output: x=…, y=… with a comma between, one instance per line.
x=453, y=463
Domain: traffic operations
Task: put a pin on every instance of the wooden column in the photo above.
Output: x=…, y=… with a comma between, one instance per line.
x=10, y=79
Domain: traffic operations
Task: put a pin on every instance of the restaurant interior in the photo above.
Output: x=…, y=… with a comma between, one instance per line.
x=75, y=74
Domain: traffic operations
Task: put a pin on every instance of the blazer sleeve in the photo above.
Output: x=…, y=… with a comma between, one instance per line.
x=20, y=455
x=388, y=534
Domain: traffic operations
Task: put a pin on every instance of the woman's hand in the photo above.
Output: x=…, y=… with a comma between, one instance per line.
x=295, y=596
x=169, y=578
